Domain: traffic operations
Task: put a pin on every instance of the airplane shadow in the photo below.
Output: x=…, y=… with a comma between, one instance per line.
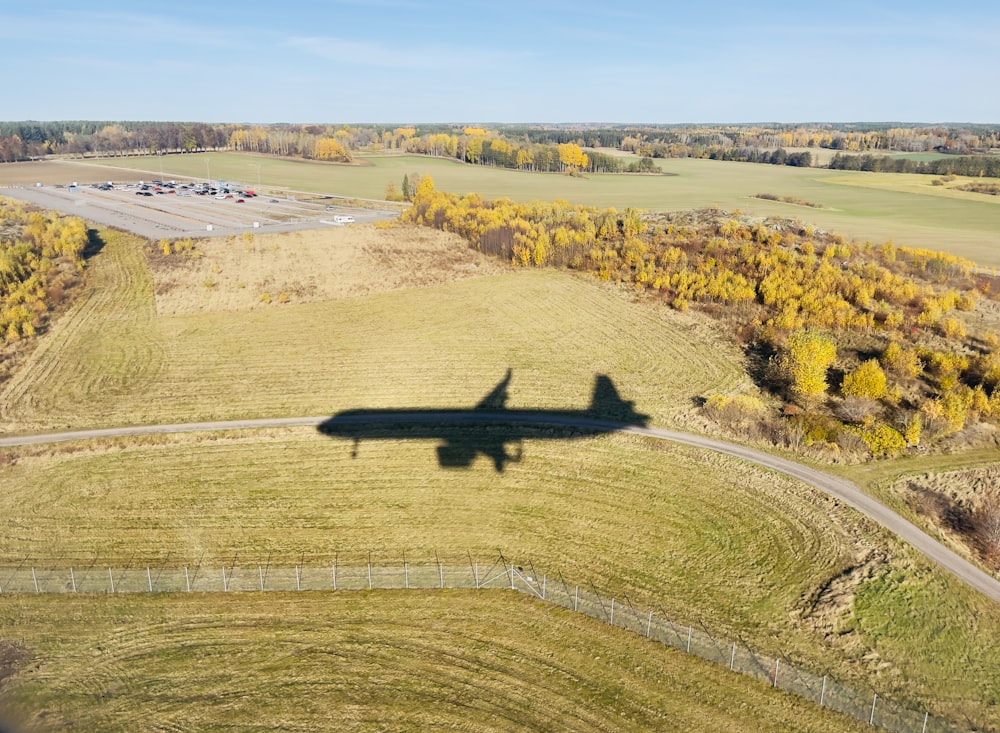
x=489, y=428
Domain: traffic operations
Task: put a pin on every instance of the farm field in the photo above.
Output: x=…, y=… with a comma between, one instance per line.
x=391, y=660
x=864, y=206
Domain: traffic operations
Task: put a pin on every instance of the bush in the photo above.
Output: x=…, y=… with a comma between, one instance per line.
x=881, y=439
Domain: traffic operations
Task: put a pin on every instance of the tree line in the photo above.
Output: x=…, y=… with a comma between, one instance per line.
x=980, y=166
x=543, y=148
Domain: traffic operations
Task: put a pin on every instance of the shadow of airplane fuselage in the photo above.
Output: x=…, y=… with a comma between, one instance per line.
x=489, y=427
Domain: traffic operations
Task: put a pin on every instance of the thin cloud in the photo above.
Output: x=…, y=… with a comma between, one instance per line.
x=381, y=55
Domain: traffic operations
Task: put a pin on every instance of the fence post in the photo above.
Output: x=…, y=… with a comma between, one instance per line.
x=369, y=575
x=649, y=623
x=871, y=719
x=544, y=579
x=441, y=575
x=732, y=658
x=334, y=568
x=775, y=672
x=72, y=579
x=475, y=574
x=512, y=576
x=35, y=579
x=225, y=583
x=406, y=575
x=689, y=640
x=822, y=693
x=187, y=579
x=260, y=573
x=112, y=576
x=576, y=598
x=298, y=581
x=612, y=621
x=149, y=579
x=924, y=729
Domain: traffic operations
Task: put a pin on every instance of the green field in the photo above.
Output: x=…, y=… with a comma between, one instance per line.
x=867, y=206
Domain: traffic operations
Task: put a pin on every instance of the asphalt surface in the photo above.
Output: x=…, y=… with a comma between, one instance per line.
x=838, y=488
x=174, y=215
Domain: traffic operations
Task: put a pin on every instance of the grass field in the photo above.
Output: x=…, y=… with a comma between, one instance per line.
x=112, y=361
x=865, y=206
x=704, y=538
x=694, y=536
x=474, y=661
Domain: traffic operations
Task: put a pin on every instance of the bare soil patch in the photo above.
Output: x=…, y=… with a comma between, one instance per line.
x=13, y=656
x=245, y=272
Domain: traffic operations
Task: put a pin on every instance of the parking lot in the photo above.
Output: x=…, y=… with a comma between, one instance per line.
x=177, y=209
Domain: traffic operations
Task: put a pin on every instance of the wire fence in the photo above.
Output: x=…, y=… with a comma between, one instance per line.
x=779, y=672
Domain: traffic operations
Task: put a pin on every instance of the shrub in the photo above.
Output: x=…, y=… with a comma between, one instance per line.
x=867, y=381
x=881, y=439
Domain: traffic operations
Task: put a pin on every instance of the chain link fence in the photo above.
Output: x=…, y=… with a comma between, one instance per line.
x=779, y=672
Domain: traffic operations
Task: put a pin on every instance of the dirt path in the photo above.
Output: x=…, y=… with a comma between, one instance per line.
x=841, y=489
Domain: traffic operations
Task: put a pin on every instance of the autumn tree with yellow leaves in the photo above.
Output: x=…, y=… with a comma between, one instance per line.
x=806, y=357
x=329, y=148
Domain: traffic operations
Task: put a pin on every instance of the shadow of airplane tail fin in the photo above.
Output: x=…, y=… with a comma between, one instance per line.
x=605, y=402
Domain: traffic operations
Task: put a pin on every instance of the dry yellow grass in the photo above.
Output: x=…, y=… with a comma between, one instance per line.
x=113, y=361
x=388, y=661
x=309, y=266
x=722, y=541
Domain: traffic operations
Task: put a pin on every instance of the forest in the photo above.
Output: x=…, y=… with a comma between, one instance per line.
x=863, y=348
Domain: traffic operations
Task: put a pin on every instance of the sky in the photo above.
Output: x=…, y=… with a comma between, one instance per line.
x=419, y=61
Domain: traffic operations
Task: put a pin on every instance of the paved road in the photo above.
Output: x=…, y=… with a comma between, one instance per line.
x=841, y=489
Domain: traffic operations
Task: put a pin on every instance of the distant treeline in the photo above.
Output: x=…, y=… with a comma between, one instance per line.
x=547, y=148
x=981, y=166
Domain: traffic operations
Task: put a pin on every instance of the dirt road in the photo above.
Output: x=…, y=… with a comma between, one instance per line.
x=840, y=489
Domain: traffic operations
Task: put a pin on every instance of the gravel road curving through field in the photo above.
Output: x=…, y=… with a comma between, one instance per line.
x=840, y=489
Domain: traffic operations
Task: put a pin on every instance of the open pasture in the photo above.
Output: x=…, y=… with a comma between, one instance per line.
x=863, y=206
x=404, y=660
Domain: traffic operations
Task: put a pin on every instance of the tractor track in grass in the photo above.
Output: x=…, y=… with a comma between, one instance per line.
x=839, y=488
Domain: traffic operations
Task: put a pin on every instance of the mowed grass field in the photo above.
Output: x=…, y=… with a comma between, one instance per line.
x=703, y=538
x=864, y=206
x=112, y=361
x=387, y=661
